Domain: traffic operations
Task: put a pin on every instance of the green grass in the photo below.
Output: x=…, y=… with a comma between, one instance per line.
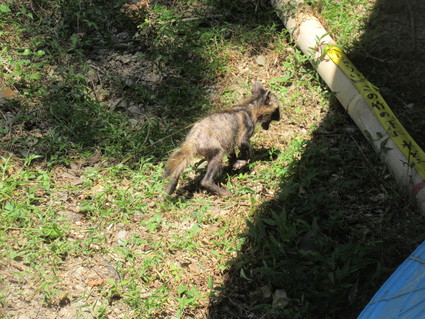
x=315, y=216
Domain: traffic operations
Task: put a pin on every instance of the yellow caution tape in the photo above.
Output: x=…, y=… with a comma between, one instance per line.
x=410, y=149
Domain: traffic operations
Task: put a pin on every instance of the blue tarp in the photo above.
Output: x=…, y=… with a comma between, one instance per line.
x=402, y=296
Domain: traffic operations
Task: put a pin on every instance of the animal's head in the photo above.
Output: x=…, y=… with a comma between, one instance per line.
x=266, y=105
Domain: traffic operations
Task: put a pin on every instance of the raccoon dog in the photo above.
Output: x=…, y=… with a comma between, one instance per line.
x=219, y=134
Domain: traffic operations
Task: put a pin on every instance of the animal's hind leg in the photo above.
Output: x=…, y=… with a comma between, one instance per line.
x=214, y=166
x=172, y=185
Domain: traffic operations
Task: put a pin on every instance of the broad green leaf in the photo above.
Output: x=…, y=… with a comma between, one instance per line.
x=4, y=8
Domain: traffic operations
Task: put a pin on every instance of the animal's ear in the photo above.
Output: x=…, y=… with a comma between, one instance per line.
x=268, y=98
x=257, y=88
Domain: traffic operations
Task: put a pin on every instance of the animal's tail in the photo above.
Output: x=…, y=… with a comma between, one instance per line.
x=175, y=166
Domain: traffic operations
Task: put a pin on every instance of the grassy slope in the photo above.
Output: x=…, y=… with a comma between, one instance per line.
x=316, y=217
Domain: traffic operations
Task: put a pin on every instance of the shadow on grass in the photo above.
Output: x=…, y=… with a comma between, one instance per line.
x=338, y=226
x=165, y=45
x=390, y=54
x=153, y=85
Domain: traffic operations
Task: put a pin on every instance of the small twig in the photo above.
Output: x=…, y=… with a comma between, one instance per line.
x=361, y=151
x=18, y=265
x=3, y=115
x=94, y=66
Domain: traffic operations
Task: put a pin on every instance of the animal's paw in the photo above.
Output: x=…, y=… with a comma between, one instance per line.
x=224, y=192
x=239, y=164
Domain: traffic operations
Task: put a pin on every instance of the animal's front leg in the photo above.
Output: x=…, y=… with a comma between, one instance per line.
x=232, y=158
x=245, y=154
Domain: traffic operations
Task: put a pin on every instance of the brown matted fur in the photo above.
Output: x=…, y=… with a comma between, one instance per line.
x=219, y=134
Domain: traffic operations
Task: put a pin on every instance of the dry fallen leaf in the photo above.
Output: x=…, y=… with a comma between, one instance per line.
x=8, y=93
x=96, y=282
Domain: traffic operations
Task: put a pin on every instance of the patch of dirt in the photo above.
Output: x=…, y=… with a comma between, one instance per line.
x=131, y=68
x=77, y=279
